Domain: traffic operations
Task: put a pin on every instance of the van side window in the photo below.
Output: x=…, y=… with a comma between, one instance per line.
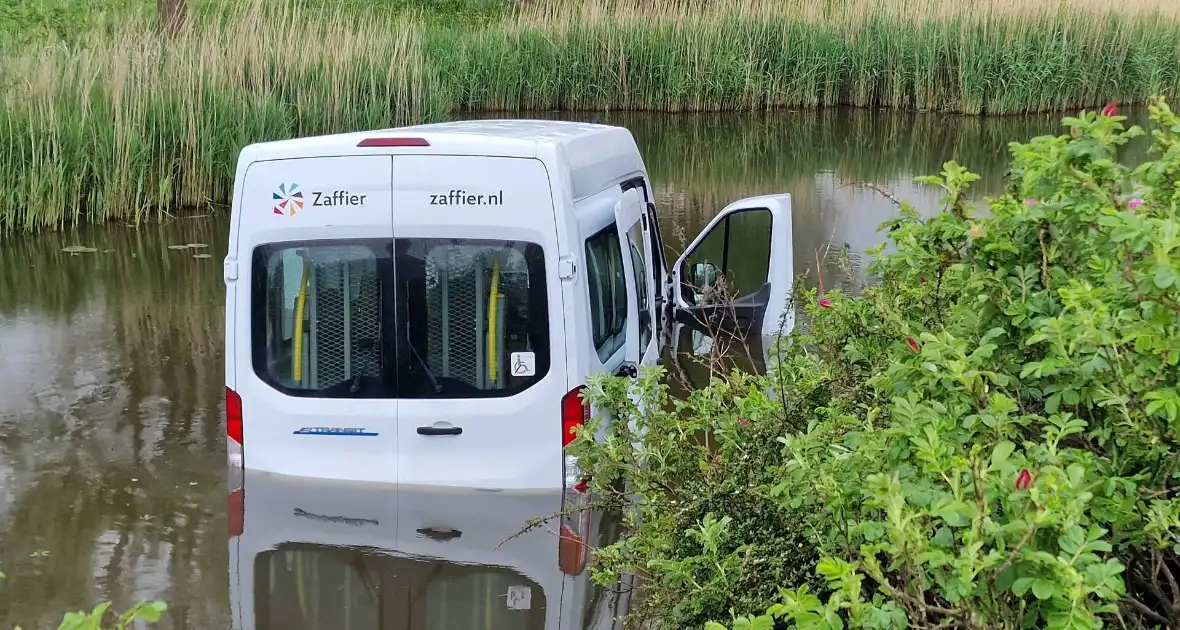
x=318, y=309
x=608, y=291
x=657, y=246
x=475, y=315
x=642, y=273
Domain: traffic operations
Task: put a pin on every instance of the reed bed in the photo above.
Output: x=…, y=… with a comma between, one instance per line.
x=120, y=123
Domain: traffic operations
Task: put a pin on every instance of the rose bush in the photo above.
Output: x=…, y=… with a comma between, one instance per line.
x=984, y=437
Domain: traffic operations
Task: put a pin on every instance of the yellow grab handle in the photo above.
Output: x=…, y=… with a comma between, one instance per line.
x=298, y=324
x=493, y=298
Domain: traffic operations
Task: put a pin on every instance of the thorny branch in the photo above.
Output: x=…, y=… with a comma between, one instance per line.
x=1016, y=551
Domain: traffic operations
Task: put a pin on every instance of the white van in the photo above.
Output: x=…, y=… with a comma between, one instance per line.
x=311, y=553
x=423, y=305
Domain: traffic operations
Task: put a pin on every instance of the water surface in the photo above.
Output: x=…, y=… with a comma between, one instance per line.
x=112, y=443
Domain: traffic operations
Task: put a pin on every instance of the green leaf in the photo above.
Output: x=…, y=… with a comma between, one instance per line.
x=956, y=513
x=1163, y=275
x=944, y=537
x=151, y=611
x=1044, y=589
x=1022, y=585
x=1007, y=578
x=872, y=530
x=1001, y=453
x=1053, y=403
x=761, y=622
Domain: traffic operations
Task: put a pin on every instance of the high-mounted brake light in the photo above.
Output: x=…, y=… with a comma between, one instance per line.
x=233, y=427
x=393, y=142
x=574, y=413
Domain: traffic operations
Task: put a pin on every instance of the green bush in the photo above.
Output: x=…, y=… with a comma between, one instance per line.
x=102, y=617
x=707, y=535
x=986, y=436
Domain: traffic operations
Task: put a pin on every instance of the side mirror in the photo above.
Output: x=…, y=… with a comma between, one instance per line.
x=702, y=278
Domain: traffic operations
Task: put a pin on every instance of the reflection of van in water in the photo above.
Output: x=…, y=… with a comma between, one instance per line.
x=333, y=555
x=423, y=305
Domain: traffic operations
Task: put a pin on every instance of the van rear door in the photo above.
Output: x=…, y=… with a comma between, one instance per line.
x=481, y=358
x=309, y=336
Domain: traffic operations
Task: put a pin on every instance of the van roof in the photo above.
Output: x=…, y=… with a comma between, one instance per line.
x=593, y=153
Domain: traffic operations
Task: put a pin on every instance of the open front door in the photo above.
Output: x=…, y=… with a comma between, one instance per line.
x=736, y=275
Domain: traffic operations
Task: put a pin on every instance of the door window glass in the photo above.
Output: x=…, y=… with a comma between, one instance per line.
x=642, y=277
x=475, y=314
x=318, y=311
x=657, y=246
x=732, y=261
x=608, y=291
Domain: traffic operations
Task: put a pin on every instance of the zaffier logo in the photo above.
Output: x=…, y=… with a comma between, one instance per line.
x=288, y=199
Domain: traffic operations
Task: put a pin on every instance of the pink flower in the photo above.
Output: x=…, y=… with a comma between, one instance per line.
x=1029, y=202
x=1111, y=109
x=825, y=302
x=743, y=422
x=1023, y=480
x=913, y=343
x=1135, y=203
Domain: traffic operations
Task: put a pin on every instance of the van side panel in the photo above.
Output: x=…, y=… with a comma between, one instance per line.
x=312, y=235
x=565, y=219
x=482, y=231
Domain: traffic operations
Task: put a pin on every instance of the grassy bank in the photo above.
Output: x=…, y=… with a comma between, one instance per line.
x=114, y=122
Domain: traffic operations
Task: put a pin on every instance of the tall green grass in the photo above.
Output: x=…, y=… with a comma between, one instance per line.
x=120, y=124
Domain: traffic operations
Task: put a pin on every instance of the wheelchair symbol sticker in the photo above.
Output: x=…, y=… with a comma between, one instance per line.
x=519, y=598
x=523, y=363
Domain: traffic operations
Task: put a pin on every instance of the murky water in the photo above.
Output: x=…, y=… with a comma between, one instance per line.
x=112, y=443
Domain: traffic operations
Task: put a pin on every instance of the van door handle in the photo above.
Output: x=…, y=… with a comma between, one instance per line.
x=440, y=430
x=440, y=535
x=628, y=369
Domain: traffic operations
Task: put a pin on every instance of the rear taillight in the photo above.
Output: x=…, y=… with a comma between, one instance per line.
x=572, y=548
x=574, y=413
x=233, y=428
x=393, y=142
x=235, y=513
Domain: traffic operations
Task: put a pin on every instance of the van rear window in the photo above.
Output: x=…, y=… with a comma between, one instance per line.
x=301, y=586
x=401, y=318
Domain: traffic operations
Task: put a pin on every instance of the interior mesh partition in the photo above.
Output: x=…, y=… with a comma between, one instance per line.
x=346, y=317
x=458, y=286
x=453, y=327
